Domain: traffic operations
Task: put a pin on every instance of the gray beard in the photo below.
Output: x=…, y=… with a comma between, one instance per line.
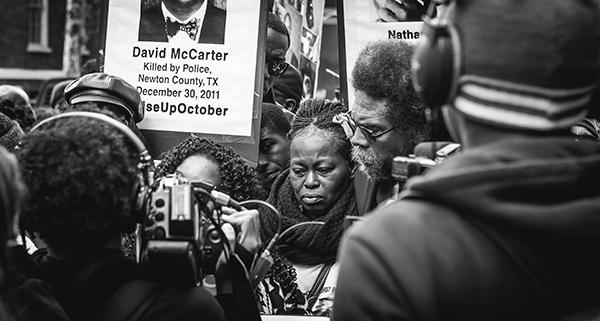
x=369, y=163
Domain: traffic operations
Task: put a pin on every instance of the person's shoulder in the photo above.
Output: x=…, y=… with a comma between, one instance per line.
x=33, y=301
x=214, y=10
x=159, y=302
x=402, y=221
x=186, y=304
x=151, y=27
x=400, y=212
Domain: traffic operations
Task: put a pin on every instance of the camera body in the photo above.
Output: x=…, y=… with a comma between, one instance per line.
x=426, y=156
x=179, y=242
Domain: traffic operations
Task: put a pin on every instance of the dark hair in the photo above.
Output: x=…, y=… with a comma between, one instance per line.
x=42, y=113
x=82, y=176
x=272, y=117
x=107, y=109
x=318, y=114
x=383, y=71
x=238, y=180
x=276, y=24
x=289, y=85
x=18, y=110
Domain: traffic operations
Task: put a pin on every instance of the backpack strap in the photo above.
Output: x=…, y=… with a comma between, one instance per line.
x=131, y=301
x=314, y=292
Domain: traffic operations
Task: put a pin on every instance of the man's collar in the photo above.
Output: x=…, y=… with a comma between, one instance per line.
x=198, y=15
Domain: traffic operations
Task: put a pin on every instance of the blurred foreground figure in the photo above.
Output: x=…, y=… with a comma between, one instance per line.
x=509, y=229
x=83, y=174
x=21, y=298
x=14, y=102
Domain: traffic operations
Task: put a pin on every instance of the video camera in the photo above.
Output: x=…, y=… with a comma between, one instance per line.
x=181, y=238
x=426, y=155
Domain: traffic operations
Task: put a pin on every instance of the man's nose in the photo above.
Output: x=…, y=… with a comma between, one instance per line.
x=359, y=139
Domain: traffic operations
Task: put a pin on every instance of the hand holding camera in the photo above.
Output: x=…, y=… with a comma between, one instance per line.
x=247, y=225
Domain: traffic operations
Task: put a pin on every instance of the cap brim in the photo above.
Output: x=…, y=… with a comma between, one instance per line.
x=87, y=97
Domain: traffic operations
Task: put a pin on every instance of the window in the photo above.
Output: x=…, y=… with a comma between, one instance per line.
x=38, y=26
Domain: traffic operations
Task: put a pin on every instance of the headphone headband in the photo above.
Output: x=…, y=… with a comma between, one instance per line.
x=145, y=160
x=139, y=145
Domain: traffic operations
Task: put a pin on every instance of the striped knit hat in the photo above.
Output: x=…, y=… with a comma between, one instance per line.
x=527, y=64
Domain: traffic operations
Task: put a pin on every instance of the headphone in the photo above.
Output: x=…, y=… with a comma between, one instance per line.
x=436, y=63
x=145, y=164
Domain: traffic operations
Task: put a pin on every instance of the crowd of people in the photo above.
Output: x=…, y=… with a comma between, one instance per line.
x=322, y=225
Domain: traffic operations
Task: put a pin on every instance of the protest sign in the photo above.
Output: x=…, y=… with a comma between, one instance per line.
x=304, y=20
x=362, y=21
x=289, y=13
x=310, y=47
x=196, y=72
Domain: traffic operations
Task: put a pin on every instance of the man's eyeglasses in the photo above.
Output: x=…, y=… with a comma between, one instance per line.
x=276, y=66
x=350, y=127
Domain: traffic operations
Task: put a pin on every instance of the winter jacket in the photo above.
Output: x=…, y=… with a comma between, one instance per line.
x=506, y=231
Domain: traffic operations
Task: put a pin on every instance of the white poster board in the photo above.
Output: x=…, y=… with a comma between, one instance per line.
x=189, y=82
x=361, y=26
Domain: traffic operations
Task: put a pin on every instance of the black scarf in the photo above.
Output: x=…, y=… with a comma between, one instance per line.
x=308, y=244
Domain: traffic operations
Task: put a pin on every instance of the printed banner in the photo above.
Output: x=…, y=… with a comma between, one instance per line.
x=370, y=20
x=194, y=71
x=310, y=48
x=289, y=12
x=304, y=20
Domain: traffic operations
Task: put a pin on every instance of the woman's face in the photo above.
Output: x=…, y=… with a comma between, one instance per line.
x=200, y=168
x=318, y=172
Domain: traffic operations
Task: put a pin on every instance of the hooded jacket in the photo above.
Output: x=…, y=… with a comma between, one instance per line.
x=505, y=231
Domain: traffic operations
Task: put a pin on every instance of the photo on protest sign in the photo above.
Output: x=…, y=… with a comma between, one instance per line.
x=370, y=20
x=191, y=66
x=161, y=21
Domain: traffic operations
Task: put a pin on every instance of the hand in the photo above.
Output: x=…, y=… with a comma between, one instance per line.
x=400, y=10
x=247, y=222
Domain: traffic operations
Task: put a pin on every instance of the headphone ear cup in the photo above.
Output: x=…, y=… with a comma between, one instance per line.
x=138, y=207
x=139, y=211
x=433, y=70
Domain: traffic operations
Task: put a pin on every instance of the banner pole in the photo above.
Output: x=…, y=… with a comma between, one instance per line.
x=342, y=52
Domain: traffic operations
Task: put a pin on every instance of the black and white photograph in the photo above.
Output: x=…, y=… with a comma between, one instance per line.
x=299, y=160
x=199, y=20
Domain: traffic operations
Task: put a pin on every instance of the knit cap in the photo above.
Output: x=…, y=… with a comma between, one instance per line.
x=10, y=132
x=527, y=64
